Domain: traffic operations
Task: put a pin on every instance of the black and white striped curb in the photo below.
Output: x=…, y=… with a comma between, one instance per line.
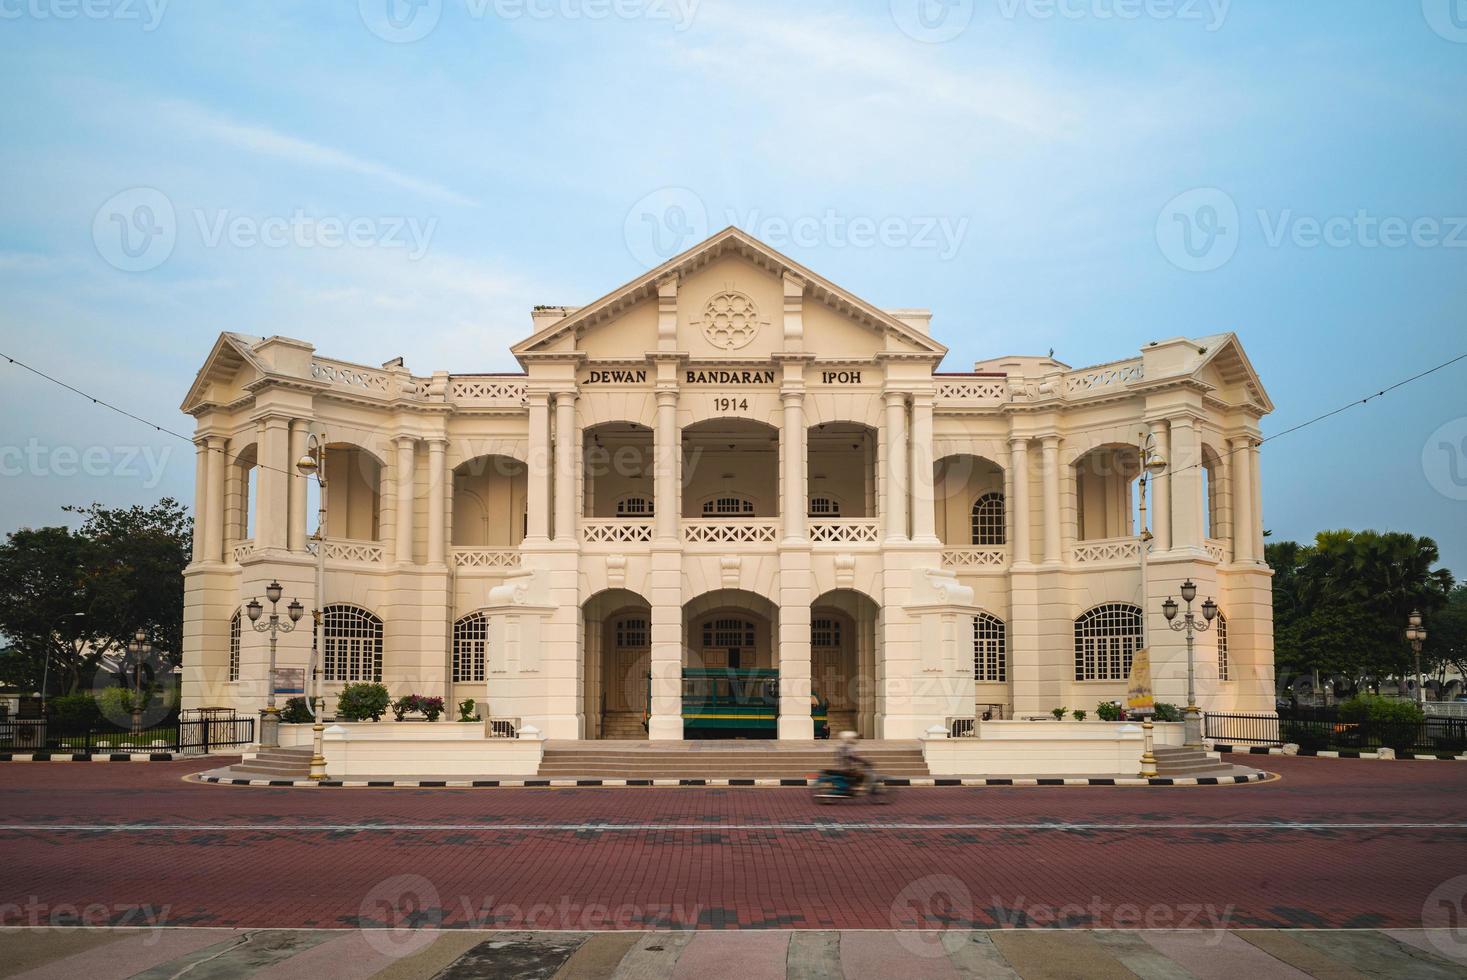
x=86, y=757
x=531, y=782
x=1338, y=754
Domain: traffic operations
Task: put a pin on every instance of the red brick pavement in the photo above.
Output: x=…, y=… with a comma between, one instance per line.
x=860, y=878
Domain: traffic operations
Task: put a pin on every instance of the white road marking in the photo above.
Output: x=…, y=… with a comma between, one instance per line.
x=603, y=827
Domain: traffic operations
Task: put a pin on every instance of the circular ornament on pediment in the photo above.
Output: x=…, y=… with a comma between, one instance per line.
x=730, y=320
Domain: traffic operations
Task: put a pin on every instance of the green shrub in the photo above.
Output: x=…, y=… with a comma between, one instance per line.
x=1373, y=707
x=79, y=709
x=115, y=704
x=466, y=710
x=1310, y=738
x=296, y=712
x=1167, y=712
x=359, y=702
x=1108, y=711
x=1059, y=713
x=1078, y=715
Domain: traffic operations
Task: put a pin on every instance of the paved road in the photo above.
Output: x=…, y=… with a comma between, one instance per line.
x=1333, y=843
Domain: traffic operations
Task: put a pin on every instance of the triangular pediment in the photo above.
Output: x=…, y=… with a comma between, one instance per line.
x=832, y=312
x=1225, y=365
x=232, y=364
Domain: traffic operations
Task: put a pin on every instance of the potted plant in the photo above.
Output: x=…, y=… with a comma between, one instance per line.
x=1078, y=714
x=466, y=710
x=1059, y=713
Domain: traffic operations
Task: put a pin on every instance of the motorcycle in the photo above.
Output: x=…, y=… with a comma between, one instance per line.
x=831, y=784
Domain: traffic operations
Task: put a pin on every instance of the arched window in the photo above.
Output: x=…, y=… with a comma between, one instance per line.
x=1106, y=638
x=234, y=625
x=988, y=519
x=728, y=633
x=728, y=506
x=631, y=633
x=990, y=649
x=634, y=507
x=353, y=638
x=470, y=647
x=824, y=507
x=1223, y=671
x=825, y=633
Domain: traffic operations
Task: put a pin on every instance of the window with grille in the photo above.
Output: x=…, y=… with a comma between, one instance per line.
x=353, y=639
x=824, y=507
x=990, y=649
x=728, y=633
x=632, y=634
x=1223, y=670
x=988, y=519
x=825, y=632
x=234, y=628
x=728, y=507
x=1106, y=638
x=634, y=507
x=470, y=647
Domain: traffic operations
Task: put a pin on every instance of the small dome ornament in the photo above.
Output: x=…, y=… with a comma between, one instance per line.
x=730, y=320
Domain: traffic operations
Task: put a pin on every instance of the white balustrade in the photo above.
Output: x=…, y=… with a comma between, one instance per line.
x=1217, y=550
x=364, y=552
x=485, y=558
x=1108, y=551
x=850, y=530
x=972, y=390
x=1104, y=376
x=717, y=531
x=619, y=531
x=487, y=389
x=982, y=557
x=244, y=550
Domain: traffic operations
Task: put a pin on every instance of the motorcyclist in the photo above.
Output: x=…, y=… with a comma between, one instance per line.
x=855, y=767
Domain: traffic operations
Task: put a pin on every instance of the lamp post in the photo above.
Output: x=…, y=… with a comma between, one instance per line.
x=1153, y=464
x=1416, y=634
x=139, y=647
x=270, y=717
x=313, y=465
x=1192, y=732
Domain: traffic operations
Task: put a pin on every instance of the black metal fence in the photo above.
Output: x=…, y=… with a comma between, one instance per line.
x=1322, y=729
x=192, y=735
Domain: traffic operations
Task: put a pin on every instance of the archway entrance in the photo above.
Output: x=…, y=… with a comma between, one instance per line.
x=617, y=650
x=843, y=659
x=730, y=666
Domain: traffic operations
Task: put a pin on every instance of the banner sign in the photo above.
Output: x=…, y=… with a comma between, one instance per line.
x=1139, y=698
x=290, y=680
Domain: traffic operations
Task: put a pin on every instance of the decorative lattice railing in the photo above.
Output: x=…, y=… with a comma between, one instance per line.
x=995, y=557
x=620, y=531
x=730, y=532
x=486, y=389
x=1108, y=551
x=851, y=530
x=485, y=558
x=366, y=552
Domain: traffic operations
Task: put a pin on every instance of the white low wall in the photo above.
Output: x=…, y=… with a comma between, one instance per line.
x=1046, y=748
x=369, y=750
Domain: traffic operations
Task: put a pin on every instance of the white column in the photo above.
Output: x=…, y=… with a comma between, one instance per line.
x=1256, y=479
x=298, y=486
x=437, y=499
x=214, y=501
x=406, y=494
x=795, y=463
x=896, y=466
x=1161, y=490
x=1019, y=463
x=667, y=504
x=271, y=507
x=924, y=518
x=538, y=482
x=565, y=466
x=1186, y=484
x=1049, y=450
x=201, y=496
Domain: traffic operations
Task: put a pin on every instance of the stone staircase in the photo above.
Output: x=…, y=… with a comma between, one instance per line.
x=717, y=759
x=622, y=725
x=1175, y=761
x=291, y=763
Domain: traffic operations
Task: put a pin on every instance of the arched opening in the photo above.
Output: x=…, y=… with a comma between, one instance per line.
x=1220, y=627
x=470, y=652
x=730, y=666
x=489, y=495
x=617, y=651
x=968, y=493
x=1106, y=639
x=617, y=463
x=1104, y=492
x=1215, y=517
x=240, y=488
x=991, y=666
x=841, y=474
x=843, y=659
x=354, y=493
x=353, y=644
x=730, y=469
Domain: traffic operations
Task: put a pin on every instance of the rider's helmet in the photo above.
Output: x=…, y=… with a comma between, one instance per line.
x=848, y=736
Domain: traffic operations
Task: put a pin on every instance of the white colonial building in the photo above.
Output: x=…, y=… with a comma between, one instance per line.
x=732, y=461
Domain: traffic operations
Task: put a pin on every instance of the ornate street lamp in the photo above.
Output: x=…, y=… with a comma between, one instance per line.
x=1192, y=731
x=312, y=465
x=1416, y=635
x=270, y=717
x=139, y=647
x=1153, y=465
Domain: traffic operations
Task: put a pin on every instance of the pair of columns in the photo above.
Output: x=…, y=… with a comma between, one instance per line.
x=1179, y=518
x=552, y=478
x=909, y=462
x=1020, y=509
x=439, y=488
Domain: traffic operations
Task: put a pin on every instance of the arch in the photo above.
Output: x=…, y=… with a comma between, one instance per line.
x=1224, y=668
x=988, y=519
x=490, y=495
x=1215, y=516
x=470, y=648
x=1105, y=478
x=840, y=462
x=958, y=481
x=1107, y=637
x=235, y=625
x=843, y=658
x=616, y=652
x=617, y=464
x=730, y=457
x=990, y=649
x=354, y=497
x=352, y=638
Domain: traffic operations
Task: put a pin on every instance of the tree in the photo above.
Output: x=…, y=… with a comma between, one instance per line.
x=69, y=597
x=1446, y=636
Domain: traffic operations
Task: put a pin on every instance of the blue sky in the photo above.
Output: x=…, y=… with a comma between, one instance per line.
x=1086, y=175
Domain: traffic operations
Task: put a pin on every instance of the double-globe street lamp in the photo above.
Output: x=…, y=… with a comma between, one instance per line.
x=270, y=717
x=1192, y=731
x=1416, y=635
x=312, y=465
x=139, y=647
